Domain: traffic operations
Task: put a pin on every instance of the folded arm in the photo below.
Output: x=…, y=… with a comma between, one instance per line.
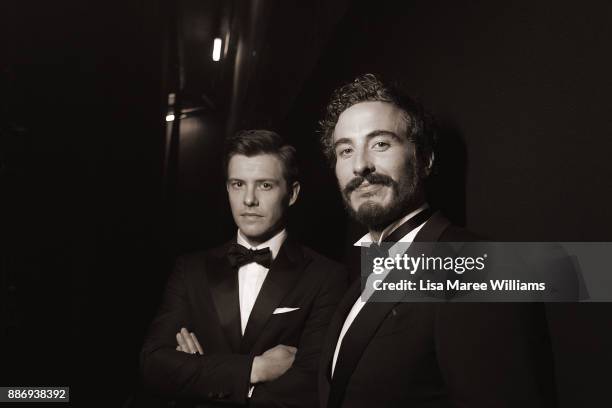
x=176, y=374
x=298, y=386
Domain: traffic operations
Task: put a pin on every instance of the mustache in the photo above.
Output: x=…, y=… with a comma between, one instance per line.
x=372, y=178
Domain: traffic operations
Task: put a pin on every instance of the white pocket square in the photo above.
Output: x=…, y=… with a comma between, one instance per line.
x=280, y=310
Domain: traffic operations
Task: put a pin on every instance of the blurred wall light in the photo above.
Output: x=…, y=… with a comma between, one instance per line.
x=169, y=118
x=216, y=56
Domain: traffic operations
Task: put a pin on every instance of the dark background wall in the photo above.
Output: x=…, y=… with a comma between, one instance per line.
x=90, y=226
x=81, y=149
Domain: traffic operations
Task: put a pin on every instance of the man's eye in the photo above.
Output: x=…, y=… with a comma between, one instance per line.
x=237, y=184
x=380, y=146
x=345, y=152
x=266, y=186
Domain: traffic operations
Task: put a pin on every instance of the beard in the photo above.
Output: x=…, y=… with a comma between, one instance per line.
x=405, y=196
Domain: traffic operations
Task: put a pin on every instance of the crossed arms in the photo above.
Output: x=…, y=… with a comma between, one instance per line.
x=267, y=367
x=283, y=376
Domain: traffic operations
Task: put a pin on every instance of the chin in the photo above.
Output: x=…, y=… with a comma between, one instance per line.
x=373, y=214
x=258, y=234
x=251, y=234
x=371, y=207
x=370, y=202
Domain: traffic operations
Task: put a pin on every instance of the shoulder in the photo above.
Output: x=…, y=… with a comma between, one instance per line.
x=320, y=260
x=323, y=268
x=326, y=276
x=454, y=233
x=196, y=260
x=439, y=228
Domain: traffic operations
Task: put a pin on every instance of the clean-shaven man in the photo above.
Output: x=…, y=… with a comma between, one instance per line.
x=249, y=316
x=409, y=354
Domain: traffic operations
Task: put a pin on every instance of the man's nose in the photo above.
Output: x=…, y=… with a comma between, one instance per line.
x=362, y=163
x=250, y=197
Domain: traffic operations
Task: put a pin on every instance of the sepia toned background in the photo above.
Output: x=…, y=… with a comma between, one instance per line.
x=99, y=192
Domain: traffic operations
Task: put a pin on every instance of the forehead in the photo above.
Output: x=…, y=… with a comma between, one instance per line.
x=261, y=166
x=365, y=117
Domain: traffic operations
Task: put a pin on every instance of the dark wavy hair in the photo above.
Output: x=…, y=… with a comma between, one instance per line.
x=370, y=88
x=260, y=141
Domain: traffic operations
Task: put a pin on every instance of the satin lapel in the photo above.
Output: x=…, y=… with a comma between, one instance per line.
x=282, y=277
x=354, y=343
x=369, y=319
x=335, y=326
x=223, y=284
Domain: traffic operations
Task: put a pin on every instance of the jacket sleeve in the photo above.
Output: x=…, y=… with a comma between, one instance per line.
x=175, y=374
x=298, y=386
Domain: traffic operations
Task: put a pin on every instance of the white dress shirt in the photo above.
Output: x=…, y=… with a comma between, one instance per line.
x=251, y=276
x=366, y=241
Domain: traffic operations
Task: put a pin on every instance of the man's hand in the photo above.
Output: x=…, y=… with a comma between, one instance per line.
x=188, y=342
x=272, y=364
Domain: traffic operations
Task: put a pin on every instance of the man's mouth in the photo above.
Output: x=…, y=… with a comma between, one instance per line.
x=366, y=189
x=251, y=215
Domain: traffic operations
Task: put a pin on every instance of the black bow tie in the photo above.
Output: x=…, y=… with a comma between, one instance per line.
x=239, y=256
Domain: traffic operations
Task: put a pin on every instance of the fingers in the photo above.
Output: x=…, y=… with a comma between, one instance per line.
x=280, y=350
x=290, y=349
x=191, y=347
x=197, y=343
x=188, y=342
x=182, y=344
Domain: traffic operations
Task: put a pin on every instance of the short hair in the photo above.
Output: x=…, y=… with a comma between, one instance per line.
x=260, y=141
x=370, y=88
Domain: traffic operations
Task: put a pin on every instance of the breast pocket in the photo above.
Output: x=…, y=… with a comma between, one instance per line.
x=288, y=318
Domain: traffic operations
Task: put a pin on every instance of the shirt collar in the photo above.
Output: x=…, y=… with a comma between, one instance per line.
x=367, y=240
x=273, y=243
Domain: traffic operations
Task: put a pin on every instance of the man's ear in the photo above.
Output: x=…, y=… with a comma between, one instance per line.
x=430, y=164
x=294, y=191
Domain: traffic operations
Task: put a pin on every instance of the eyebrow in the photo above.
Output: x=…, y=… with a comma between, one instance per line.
x=272, y=180
x=370, y=135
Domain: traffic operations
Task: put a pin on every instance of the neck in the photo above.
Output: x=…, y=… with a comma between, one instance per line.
x=375, y=235
x=253, y=242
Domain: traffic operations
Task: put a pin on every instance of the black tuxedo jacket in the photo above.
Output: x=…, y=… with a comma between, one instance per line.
x=438, y=355
x=202, y=295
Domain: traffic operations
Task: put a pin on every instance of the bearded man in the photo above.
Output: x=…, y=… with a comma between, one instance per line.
x=409, y=354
